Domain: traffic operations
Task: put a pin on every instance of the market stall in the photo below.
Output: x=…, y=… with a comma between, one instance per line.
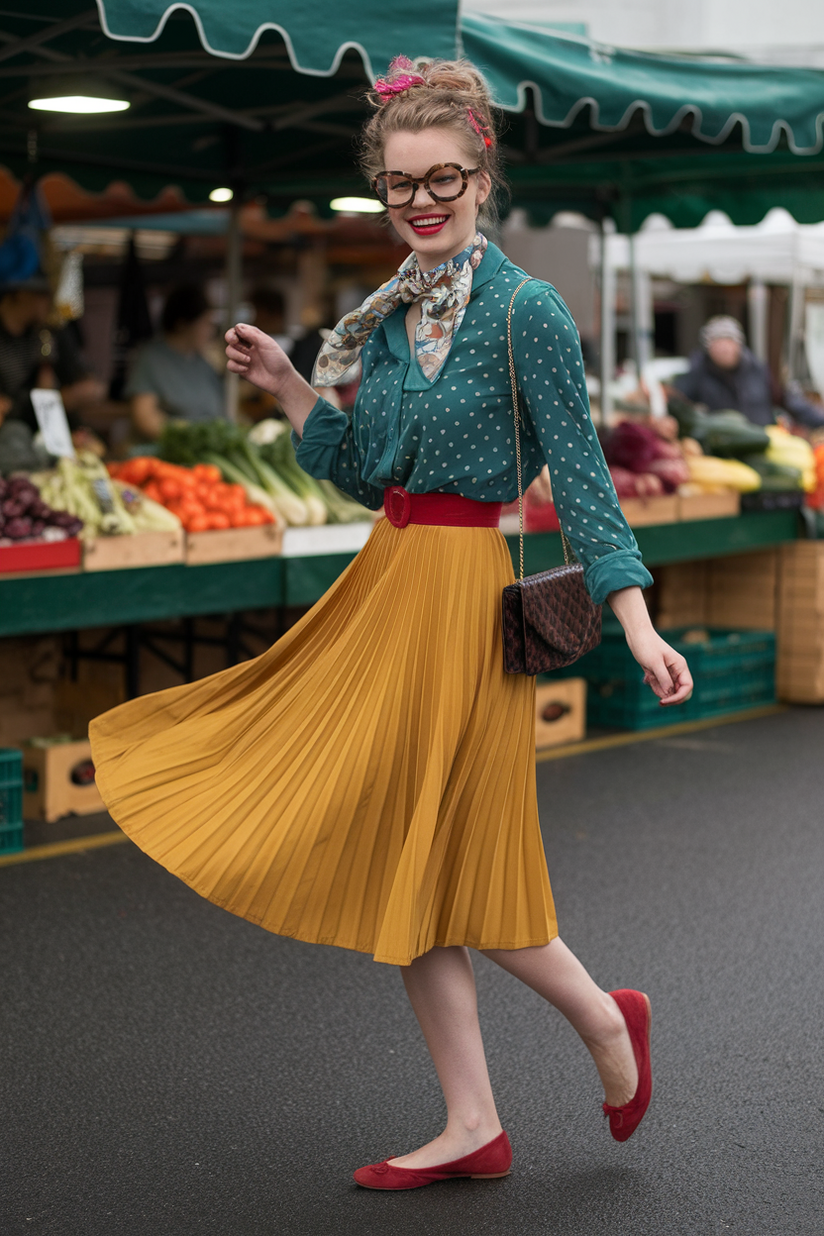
x=584, y=135
x=776, y=251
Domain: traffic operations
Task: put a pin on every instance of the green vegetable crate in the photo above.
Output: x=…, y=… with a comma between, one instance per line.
x=733, y=671
x=11, y=800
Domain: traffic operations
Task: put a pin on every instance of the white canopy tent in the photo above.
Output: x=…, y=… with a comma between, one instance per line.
x=776, y=251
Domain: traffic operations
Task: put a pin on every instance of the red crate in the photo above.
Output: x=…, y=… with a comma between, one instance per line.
x=40, y=555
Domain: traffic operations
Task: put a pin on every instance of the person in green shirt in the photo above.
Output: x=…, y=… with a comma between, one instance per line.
x=369, y=782
x=434, y=418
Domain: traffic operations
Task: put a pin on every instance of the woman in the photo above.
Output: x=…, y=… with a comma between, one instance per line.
x=370, y=781
x=170, y=376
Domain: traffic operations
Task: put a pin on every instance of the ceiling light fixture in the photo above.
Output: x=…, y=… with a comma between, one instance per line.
x=357, y=205
x=75, y=95
x=221, y=195
x=78, y=104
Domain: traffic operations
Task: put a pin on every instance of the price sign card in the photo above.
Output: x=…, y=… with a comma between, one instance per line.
x=54, y=425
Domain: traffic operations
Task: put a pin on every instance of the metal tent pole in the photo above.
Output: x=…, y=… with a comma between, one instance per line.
x=234, y=277
x=757, y=306
x=798, y=297
x=643, y=321
x=608, y=283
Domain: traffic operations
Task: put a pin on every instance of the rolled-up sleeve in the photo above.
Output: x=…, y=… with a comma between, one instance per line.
x=550, y=370
x=327, y=450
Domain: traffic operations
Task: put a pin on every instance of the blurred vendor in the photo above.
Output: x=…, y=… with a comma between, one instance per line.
x=724, y=374
x=34, y=354
x=170, y=377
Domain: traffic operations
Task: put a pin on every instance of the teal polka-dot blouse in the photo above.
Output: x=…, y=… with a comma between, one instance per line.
x=456, y=434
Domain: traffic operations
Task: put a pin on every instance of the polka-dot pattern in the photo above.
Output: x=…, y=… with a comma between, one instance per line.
x=456, y=434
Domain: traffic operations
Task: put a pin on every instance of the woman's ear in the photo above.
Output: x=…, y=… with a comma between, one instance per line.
x=484, y=189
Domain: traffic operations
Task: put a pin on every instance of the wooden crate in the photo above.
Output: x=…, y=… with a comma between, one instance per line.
x=708, y=506
x=113, y=553
x=234, y=544
x=640, y=512
x=48, y=789
x=560, y=712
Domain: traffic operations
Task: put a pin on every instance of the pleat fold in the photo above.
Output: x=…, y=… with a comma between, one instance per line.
x=369, y=781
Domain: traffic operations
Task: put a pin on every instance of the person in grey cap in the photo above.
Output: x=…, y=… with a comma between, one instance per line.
x=724, y=373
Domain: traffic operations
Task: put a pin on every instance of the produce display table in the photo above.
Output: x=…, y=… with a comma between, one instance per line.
x=77, y=600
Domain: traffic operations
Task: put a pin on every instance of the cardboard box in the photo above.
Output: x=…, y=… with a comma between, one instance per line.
x=48, y=789
x=560, y=712
x=234, y=544
x=708, y=506
x=800, y=667
x=113, y=553
x=759, y=567
x=806, y=555
x=77, y=703
x=737, y=615
x=640, y=512
x=28, y=660
x=682, y=591
x=800, y=679
x=743, y=591
x=18, y=724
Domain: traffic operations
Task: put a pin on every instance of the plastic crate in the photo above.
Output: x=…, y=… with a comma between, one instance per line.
x=727, y=693
x=731, y=651
x=733, y=670
x=11, y=800
x=631, y=705
x=11, y=839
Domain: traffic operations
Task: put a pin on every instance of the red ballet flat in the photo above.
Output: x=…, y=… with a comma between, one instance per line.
x=623, y=1121
x=491, y=1161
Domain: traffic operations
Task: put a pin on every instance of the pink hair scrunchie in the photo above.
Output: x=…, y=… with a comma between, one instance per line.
x=400, y=82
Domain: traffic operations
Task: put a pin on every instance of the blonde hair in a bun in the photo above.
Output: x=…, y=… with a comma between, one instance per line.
x=443, y=94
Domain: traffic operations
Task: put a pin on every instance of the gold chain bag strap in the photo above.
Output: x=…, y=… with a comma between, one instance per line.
x=549, y=619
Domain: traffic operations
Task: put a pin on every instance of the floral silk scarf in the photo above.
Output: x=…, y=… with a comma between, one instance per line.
x=444, y=294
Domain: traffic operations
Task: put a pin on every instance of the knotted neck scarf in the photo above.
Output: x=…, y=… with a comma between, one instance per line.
x=444, y=294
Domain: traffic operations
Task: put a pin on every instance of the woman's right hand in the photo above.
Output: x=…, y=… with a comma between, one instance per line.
x=257, y=357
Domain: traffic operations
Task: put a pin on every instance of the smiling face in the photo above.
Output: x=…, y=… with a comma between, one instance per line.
x=436, y=231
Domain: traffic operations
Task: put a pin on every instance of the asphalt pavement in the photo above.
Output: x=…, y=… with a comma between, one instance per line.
x=169, y=1070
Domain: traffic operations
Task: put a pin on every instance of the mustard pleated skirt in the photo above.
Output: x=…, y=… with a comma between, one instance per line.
x=369, y=781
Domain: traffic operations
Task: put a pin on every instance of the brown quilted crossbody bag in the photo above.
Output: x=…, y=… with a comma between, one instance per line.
x=549, y=619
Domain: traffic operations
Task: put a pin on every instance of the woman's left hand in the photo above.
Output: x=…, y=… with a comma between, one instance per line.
x=665, y=670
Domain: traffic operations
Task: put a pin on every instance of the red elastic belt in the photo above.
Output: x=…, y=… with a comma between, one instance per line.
x=448, y=510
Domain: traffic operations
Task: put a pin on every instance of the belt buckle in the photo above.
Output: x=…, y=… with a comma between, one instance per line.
x=398, y=506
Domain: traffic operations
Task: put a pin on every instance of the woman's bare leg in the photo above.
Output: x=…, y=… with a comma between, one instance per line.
x=557, y=975
x=441, y=989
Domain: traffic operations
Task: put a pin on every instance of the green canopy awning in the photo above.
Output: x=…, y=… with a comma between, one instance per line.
x=590, y=128
x=316, y=34
x=708, y=98
x=606, y=130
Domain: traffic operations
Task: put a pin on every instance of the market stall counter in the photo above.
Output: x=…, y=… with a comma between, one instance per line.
x=77, y=600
